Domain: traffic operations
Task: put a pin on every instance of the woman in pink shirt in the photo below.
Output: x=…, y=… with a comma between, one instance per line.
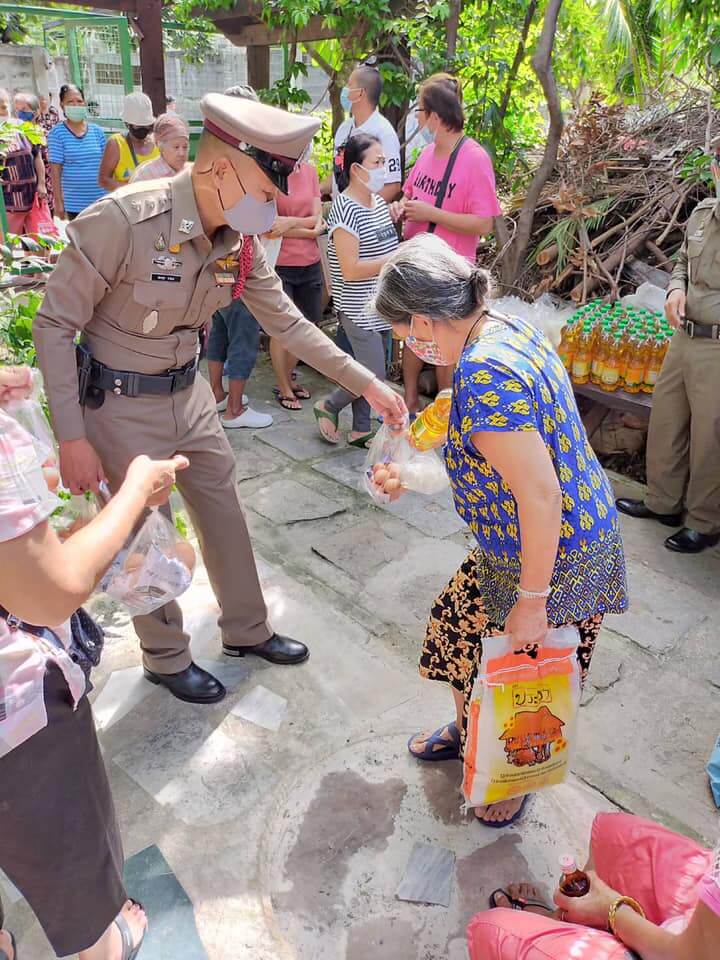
x=469, y=203
x=299, y=224
x=654, y=895
x=59, y=839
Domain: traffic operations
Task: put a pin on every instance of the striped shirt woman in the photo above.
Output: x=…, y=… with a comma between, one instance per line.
x=75, y=148
x=362, y=238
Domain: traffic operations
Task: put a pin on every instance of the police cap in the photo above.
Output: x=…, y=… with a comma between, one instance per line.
x=274, y=139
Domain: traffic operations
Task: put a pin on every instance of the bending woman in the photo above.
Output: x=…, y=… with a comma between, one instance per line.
x=59, y=843
x=521, y=470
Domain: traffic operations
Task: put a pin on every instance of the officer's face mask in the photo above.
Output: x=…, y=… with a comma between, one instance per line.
x=249, y=215
x=140, y=133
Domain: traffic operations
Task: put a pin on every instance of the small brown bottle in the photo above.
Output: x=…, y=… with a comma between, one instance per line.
x=574, y=882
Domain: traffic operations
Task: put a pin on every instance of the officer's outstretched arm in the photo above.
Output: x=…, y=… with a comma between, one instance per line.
x=93, y=263
x=279, y=317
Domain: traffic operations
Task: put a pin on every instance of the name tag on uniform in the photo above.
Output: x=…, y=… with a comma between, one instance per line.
x=166, y=277
x=224, y=279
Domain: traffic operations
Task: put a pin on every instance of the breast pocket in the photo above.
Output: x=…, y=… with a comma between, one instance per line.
x=159, y=307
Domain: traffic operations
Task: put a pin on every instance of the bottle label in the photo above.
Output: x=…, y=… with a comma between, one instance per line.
x=580, y=368
x=651, y=377
x=634, y=376
x=610, y=375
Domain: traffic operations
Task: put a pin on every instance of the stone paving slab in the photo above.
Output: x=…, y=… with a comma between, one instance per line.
x=360, y=549
x=300, y=441
x=286, y=501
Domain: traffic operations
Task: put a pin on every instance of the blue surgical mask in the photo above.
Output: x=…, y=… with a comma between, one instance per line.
x=427, y=135
x=25, y=115
x=345, y=99
x=376, y=179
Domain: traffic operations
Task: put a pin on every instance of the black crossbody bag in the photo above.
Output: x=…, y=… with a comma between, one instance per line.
x=442, y=190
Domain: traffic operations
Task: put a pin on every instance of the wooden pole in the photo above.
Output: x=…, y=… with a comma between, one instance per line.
x=258, y=66
x=152, y=64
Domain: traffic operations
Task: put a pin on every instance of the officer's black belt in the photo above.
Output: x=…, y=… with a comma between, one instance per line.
x=706, y=331
x=129, y=384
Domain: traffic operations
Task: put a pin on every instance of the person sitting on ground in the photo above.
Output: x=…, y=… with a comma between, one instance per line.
x=468, y=206
x=124, y=152
x=23, y=169
x=521, y=471
x=59, y=843
x=654, y=895
x=172, y=135
x=362, y=237
x=299, y=224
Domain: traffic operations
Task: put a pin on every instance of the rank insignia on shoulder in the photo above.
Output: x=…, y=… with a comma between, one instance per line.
x=159, y=242
x=186, y=226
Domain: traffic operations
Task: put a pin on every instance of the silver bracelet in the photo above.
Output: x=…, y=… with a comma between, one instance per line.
x=534, y=594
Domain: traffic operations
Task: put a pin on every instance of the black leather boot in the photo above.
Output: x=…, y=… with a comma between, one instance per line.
x=193, y=685
x=637, y=509
x=278, y=649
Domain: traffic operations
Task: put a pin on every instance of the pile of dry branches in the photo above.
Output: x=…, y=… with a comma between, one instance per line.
x=624, y=184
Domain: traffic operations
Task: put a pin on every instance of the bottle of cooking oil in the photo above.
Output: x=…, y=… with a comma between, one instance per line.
x=612, y=366
x=429, y=429
x=566, y=350
x=582, y=358
x=600, y=349
x=635, y=362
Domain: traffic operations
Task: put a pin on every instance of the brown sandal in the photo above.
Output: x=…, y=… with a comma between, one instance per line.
x=289, y=403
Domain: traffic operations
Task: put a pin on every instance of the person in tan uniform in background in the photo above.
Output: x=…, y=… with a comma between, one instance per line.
x=683, y=447
x=145, y=268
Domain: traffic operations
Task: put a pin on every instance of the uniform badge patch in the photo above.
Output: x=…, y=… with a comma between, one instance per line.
x=174, y=248
x=186, y=226
x=167, y=263
x=228, y=263
x=159, y=242
x=224, y=279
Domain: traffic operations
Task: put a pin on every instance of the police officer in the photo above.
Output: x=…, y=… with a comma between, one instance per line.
x=145, y=268
x=683, y=447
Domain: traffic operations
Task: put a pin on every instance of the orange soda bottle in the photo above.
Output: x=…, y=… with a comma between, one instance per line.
x=429, y=429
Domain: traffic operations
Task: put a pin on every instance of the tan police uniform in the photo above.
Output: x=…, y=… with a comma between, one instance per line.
x=139, y=279
x=683, y=449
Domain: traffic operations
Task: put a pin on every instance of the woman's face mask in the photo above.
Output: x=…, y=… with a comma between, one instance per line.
x=76, y=112
x=376, y=178
x=426, y=350
x=140, y=133
x=25, y=115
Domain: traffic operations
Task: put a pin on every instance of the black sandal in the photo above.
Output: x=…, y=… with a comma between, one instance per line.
x=287, y=403
x=518, y=903
x=129, y=949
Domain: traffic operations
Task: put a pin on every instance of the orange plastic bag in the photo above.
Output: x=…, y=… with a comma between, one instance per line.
x=522, y=718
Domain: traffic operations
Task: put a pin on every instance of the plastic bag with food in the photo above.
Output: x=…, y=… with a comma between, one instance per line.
x=393, y=465
x=74, y=513
x=154, y=569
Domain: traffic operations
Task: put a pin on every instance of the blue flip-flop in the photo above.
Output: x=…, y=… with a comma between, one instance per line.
x=498, y=824
x=450, y=749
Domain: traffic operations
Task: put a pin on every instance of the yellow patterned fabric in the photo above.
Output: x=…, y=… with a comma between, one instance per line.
x=511, y=379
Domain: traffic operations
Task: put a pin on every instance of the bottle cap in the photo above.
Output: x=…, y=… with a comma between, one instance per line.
x=568, y=864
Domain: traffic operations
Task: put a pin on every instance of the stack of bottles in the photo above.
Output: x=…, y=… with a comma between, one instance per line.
x=615, y=347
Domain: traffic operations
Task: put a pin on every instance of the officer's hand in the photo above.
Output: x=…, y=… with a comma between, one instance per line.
x=80, y=466
x=155, y=478
x=675, y=307
x=387, y=403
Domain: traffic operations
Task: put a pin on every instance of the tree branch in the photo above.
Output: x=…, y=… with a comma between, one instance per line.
x=452, y=25
x=519, y=56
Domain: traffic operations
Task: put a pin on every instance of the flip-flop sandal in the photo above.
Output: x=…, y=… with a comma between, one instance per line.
x=129, y=949
x=321, y=414
x=287, y=403
x=3, y=955
x=499, y=824
x=517, y=903
x=301, y=393
x=363, y=442
x=450, y=749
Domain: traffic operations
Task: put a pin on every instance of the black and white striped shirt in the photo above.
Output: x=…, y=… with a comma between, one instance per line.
x=377, y=237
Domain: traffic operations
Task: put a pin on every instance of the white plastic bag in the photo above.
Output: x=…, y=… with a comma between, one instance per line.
x=154, y=569
x=393, y=464
x=522, y=718
x=74, y=513
x=29, y=462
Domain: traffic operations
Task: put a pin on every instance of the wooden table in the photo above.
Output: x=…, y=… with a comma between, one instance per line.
x=639, y=404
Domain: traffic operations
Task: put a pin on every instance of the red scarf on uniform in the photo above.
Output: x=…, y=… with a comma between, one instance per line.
x=245, y=262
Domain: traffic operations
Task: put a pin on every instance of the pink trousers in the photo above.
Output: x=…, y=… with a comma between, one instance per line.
x=660, y=869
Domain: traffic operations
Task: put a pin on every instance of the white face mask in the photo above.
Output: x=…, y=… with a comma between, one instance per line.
x=376, y=178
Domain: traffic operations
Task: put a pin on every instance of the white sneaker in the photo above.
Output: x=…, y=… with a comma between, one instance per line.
x=250, y=418
x=222, y=406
